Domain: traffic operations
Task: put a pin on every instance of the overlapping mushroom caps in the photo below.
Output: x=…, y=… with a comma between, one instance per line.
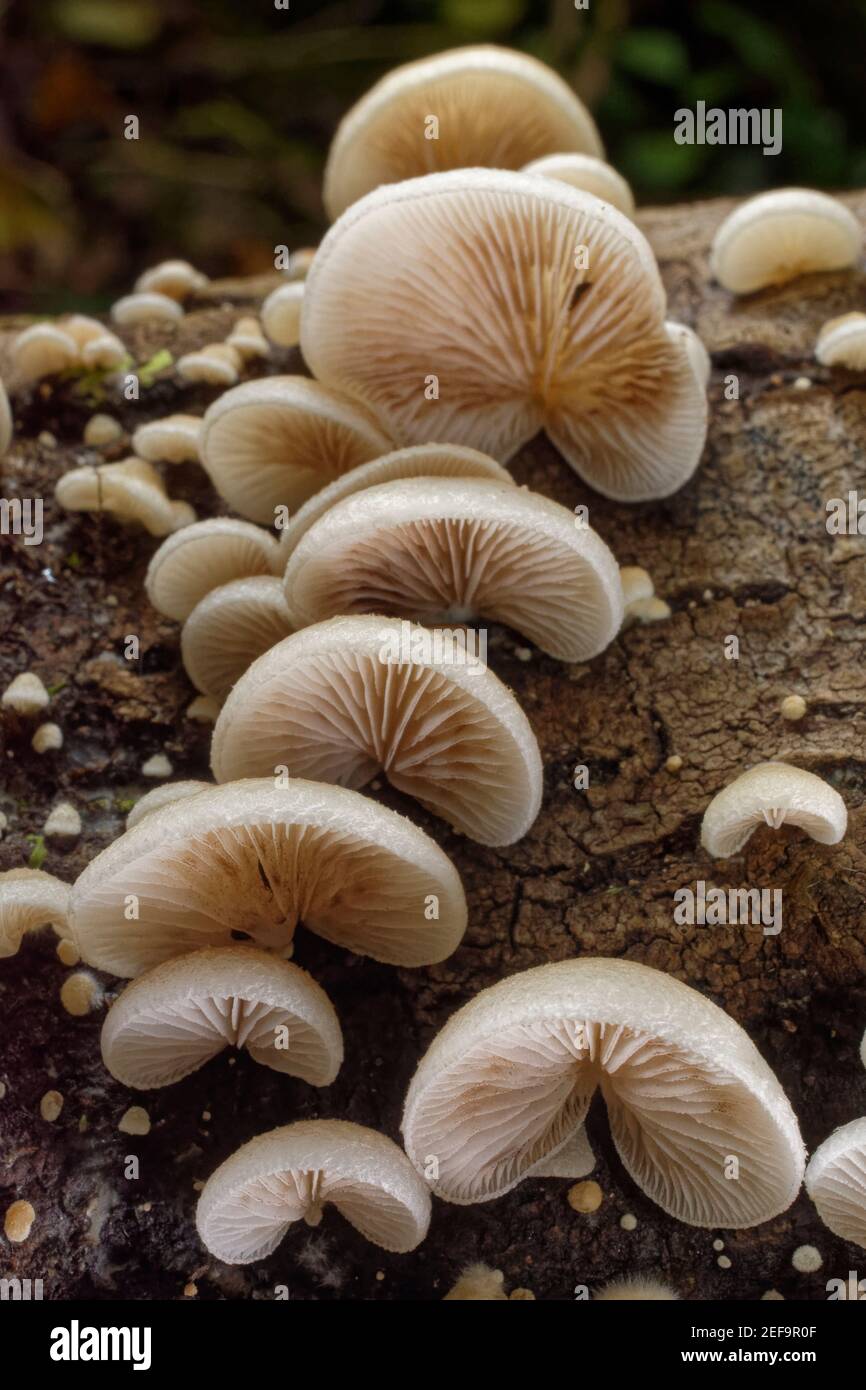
x=455, y=549
x=773, y=794
x=131, y=489
x=201, y=557
x=836, y=1181
x=777, y=236
x=589, y=173
x=491, y=107
x=172, y=439
x=482, y=306
x=343, y=700
x=30, y=899
x=173, y=1019
x=690, y=1100
x=163, y=795
x=290, y=1174
x=276, y=441
x=255, y=858
x=229, y=628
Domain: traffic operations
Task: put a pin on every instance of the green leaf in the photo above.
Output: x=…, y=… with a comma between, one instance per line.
x=38, y=853
x=656, y=55
x=158, y=363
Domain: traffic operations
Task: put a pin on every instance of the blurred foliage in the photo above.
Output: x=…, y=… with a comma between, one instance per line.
x=237, y=104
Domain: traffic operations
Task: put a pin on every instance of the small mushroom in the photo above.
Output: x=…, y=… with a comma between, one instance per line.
x=454, y=548
x=47, y=738
x=300, y=262
x=636, y=584
x=63, y=822
x=281, y=314
x=176, y=279
x=253, y=858
x=291, y=1173
x=216, y=364
x=102, y=430
x=194, y=561
x=29, y=900
x=131, y=489
x=163, y=795
x=172, y=1020
x=696, y=354
x=43, y=350
x=773, y=794
x=588, y=173
x=842, y=342
x=173, y=439
x=82, y=329
x=836, y=1181
x=229, y=628
x=6, y=423
x=248, y=340
x=344, y=700
x=275, y=442
x=26, y=695
x=493, y=107
x=146, y=307
x=780, y=235
x=510, y=1078
x=104, y=353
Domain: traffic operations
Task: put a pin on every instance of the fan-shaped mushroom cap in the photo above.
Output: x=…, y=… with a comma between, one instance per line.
x=342, y=700
x=275, y=442
x=510, y=1078
x=5, y=421
x=132, y=490
x=773, y=794
x=579, y=350
x=30, y=899
x=26, y=694
x=494, y=108
x=43, y=350
x=173, y=439
x=636, y=584
x=248, y=339
x=177, y=279
x=200, y=558
x=589, y=173
x=164, y=795
x=288, y=1175
x=104, y=352
x=256, y=858
x=178, y=1016
x=281, y=314
x=836, y=1181
x=779, y=235
x=217, y=364
x=842, y=342
x=82, y=329
x=146, y=308
x=229, y=628
x=450, y=549
x=695, y=351
x=419, y=461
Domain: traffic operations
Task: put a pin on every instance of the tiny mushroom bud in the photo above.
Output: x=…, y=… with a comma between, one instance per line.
x=588, y=173
x=585, y=1197
x=248, y=339
x=842, y=342
x=807, y=1259
x=229, y=628
x=636, y=584
x=217, y=364
x=281, y=314
x=6, y=424
x=204, y=709
x=18, y=1221
x=163, y=796
x=478, y=1283
x=647, y=610
x=146, y=308
x=176, y=279
x=47, y=738
x=777, y=236
x=836, y=1182
x=157, y=766
x=43, y=350
x=793, y=708
x=774, y=794
x=131, y=489
x=102, y=429
x=50, y=1106
x=636, y=1288
x=173, y=439
x=64, y=822
x=30, y=900
x=80, y=994
x=134, y=1121
x=26, y=695
x=204, y=556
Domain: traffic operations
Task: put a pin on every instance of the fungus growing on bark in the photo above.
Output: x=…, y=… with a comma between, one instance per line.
x=836, y=1181
x=177, y=279
x=216, y=364
x=491, y=107
x=290, y=1174
x=43, y=350
x=146, y=307
x=132, y=490
x=229, y=628
x=163, y=796
x=780, y=235
x=773, y=794
x=29, y=900
x=589, y=174
x=256, y=858
x=200, y=558
x=454, y=549
x=344, y=700
x=173, y=1019
x=842, y=342
x=26, y=695
x=281, y=314
x=510, y=1079
x=173, y=439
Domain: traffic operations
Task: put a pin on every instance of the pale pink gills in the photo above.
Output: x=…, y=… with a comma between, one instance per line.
x=836, y=1182
x=778, y=236
x=200, y=558
x=29, y=900
x=229, y=628
x=773, y=794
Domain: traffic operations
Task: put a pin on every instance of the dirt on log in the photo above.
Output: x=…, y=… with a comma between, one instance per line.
x=742, y=551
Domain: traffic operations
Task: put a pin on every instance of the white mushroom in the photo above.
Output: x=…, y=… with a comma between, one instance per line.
x=696, y=353
x=131, y=489
x=173, y=439
x=636, y=584
x=173, y=1019
x=842, y=342
x=589, y=173
x=104, y=353
x=248, y=339
x=346, y=699
x=163, y=795
x=201, y=557
x=82, y=329
x=216, y=364
x=146, y=308
x=836, y=1182
x=43, y=350
x=773, y=794
x=101, y=430
x=281, y=314
x=63, y=822
x=780, y=235
x=26, y=695
x=229, y=628
x=454, y=549
x=176, y=279
x=689, y=1098
x=47, y=738
x=29, y=900
x=254, y=857
x=290, y=1174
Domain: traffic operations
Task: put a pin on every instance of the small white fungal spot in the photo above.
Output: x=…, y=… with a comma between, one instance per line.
x=793, y=707
x=157, y=766
x=135, y=1120
x=628, y=1222
x=806, y=1259
x=51, y=1105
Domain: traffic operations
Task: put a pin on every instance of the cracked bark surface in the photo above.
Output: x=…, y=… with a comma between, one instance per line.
x=741, y=551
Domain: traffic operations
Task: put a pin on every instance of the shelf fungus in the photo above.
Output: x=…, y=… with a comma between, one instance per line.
x=699, y=1121
x=773, y=794
x=200, y=558
x=251, y=859
x=780, y=235
x=344, y=700
x=170, y=1021
x=172, y=439
x=29, y=900
x=479, y=106
x=456, y=549
x=836, y=1182
x=229, y=628
x=274, y=442
x=589, y=174
x=132, y=490
x=842, y=342
x=164, y=795
x=290, y=1174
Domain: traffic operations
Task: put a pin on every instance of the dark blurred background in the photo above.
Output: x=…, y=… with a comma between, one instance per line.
x=237, y=101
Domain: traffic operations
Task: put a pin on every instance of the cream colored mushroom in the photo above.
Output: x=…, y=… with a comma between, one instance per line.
x=773, y=794
x=474, y=345
x=6, y=424
x=836, y=1182
x=476, y=106
x=202, y=557
x=346, y=699
x=217, y=364
x=696, y=353
x=148, y=307
x=132, y=490
x=842, y=342
x=300, y=262
x=29, y=900
x=248, y=340
x=104, y=353
x=164, y=795
x=229, y=628
x=173, y=439
x=281, y=314
x=255, y=857
x=636, y=584
x=778, y=236
x=43, y=350
x=177, y=279
x=26, y=695
x=173, y=1019
x=588, y=173
x=82, y=329
x=690, y=1100
x=273, y=443
x=291, y=1173
x=453, y=549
